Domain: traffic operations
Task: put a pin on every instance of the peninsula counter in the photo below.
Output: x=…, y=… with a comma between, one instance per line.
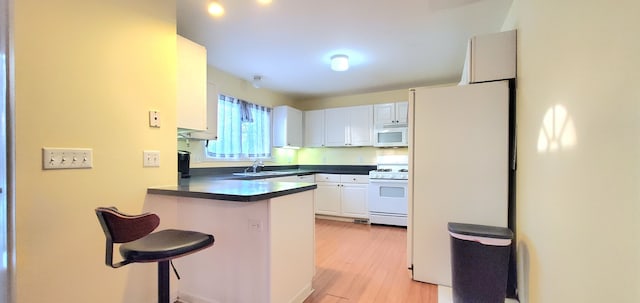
x=264, y=249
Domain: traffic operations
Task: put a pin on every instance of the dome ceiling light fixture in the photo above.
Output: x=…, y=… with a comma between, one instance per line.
x=339, y=62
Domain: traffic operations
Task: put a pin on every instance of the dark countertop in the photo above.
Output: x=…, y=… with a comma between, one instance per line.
x=226, y=173
x=221, y=184
x=233, y=190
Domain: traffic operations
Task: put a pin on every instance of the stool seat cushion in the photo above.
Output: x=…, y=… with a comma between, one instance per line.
x=165, y=245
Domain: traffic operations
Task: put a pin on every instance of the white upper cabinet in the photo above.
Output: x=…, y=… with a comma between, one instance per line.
x=287, y=127
x=191, y=81
x=490, y=57
x=390, y=113
x=402, y=112
x=336, y=125
x=361, y=126
x=314, y=128
x=212, y=117
x=349, y=126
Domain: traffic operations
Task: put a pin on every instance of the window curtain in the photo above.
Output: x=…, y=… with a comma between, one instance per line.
x=244, y=130
x=256, y=142
x=228, y=131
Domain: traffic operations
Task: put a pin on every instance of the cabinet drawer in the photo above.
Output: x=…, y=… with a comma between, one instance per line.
x=327, y=178
x=354, y=178
x=305, y=178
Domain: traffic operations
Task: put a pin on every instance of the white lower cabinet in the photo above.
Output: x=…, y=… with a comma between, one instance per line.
x=342, y=195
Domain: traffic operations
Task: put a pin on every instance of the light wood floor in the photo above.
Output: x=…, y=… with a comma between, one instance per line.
x=364, y=263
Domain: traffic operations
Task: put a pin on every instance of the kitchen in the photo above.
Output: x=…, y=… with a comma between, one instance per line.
x=560, y=190
x=346, y=192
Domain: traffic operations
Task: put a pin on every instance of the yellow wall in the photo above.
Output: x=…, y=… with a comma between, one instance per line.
x=356, y=99
x=227, y=84
x=86, y=74
x=578, y=198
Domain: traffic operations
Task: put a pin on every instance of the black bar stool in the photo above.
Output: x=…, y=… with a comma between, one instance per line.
x=139, y=244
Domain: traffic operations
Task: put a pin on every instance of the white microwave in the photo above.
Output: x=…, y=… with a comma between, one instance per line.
x=390, y=136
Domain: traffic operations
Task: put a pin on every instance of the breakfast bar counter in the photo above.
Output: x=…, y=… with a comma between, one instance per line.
x=233, y=190
x=264, y=231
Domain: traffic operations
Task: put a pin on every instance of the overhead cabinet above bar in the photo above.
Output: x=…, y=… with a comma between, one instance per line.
x=191, y=82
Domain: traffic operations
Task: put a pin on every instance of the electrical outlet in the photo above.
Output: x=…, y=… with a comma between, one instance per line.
x=151, y=158
x=255, y=225
x=67, y=158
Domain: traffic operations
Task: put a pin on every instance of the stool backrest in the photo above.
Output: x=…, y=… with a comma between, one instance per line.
x=121, y=228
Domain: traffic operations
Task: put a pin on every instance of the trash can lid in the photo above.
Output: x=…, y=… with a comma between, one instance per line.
x=485, y=231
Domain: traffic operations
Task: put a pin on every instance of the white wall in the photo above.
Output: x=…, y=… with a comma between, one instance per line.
x=578, y=187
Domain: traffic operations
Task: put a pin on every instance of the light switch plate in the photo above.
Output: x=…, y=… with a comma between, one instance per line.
x=151, y=158
x=67, y=158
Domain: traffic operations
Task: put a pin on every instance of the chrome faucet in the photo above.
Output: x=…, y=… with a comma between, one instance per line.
x=254, y=166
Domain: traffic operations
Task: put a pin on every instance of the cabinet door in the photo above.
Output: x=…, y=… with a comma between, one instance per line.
x=336, y=126
x=361, y=126
x=314, y=128
x=212, y=116
x=327, y=197
x=354, y=200
x=493, y=57
x=191, y=81
x=294, y=127
x=402, y=112
x=384, y=113
x=287, y=127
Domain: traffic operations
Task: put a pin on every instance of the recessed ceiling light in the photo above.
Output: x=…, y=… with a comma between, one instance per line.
x=264, y=2
x=339, y=63
x=215, y=8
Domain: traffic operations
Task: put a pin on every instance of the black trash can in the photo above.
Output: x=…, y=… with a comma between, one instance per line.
x=479, y=262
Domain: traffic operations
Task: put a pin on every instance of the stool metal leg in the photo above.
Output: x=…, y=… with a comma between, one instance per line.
x=163, y=282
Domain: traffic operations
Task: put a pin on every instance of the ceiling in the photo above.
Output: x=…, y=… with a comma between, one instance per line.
x=391, y=44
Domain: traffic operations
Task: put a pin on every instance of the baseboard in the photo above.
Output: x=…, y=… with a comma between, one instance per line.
x=445, y=295
x=303, y=294
x=341, y=219
x=189, y=298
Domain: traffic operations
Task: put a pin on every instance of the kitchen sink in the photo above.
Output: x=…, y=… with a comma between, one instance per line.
x=262, y=173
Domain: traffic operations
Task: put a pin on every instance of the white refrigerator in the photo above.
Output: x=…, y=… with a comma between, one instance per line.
x=459, y=168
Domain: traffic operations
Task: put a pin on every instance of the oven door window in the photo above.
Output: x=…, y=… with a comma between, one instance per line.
x=392, y=192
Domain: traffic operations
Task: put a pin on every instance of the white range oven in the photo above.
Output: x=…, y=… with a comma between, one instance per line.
x=388, y=191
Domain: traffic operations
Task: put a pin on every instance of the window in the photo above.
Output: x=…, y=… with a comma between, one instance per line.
x=244, y=131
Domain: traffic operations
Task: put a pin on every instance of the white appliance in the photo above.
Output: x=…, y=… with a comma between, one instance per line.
x=459, y=168
x=390, y=135
x=388, y=191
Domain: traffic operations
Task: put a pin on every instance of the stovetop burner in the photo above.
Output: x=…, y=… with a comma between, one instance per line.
x=383, y=169
x=404, y=170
